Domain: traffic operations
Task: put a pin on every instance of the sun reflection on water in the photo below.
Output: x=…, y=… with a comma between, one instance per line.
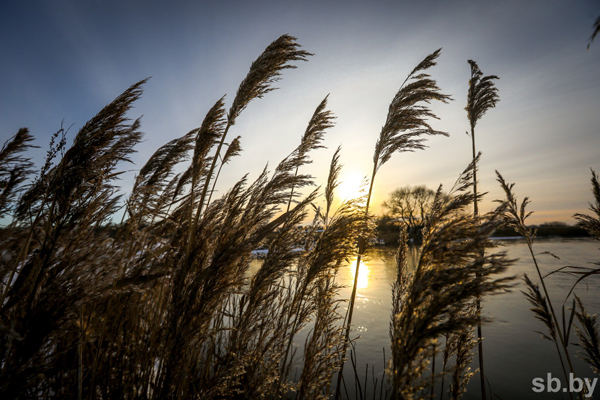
x=363, y=273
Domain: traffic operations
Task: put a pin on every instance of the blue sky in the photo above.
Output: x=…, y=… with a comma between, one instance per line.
x=65, y=60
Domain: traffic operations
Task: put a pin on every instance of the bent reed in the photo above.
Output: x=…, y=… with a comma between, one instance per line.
x=162, y=305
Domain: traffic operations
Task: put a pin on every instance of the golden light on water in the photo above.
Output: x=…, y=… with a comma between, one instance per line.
x=363, y=273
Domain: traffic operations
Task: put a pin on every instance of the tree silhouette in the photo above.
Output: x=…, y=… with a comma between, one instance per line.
x=410, y=206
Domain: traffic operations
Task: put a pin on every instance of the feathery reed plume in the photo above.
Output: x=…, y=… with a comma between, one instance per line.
x=264, y=71
x=596, y=30
x=29, y=203
x=461, y=345
x=212, y=129
x=43, y=304
x=321, y=120
x=233, y=149
x=151, y=181
x=588, y=336
x=332, y=181
x=516, y=216
x=14, y=168
x=540, y=308
x=432, y=300
x=406, y=120
x=543, y=313
x=403, y=131
x=592, y=223
x=482, y=96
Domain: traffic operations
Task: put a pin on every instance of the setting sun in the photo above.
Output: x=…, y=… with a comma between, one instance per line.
x=351, y=186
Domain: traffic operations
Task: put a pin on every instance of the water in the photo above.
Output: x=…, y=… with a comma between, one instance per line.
x=514, y=353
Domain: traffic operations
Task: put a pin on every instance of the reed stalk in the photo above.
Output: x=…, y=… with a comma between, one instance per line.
x=402, y=132
x=516, y=217
x=431, y=300
x=482, y=96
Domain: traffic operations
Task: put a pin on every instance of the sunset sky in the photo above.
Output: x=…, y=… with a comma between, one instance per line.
x=65, y=60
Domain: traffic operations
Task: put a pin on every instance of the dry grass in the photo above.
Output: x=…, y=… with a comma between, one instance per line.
x=559, y=331
x=162, y=305
x=435, y=300
x=482, y=96
x=405, y=129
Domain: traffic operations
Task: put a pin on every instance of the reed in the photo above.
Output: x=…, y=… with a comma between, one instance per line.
x=432, y=301
x=543, y=307
x=587, y=331
x=404, y=130
x=482, y=96
x=163, y=305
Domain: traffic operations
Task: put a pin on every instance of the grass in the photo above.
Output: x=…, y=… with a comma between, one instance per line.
x=482, y=96
x=559, y=331
x=162, y=305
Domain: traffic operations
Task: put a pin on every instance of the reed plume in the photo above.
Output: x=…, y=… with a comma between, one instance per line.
x=588, y=336
x=432, y=300
x=264, y=71
x=516, y=217
x=403, y=131
x=55, y=268
x=233, y=149
x=14, y=168
x=482, y=96
x=321, y=120
x=592, y=223
x=596, y=30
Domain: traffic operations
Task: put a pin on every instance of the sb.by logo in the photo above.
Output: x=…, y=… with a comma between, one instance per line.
x=553, y=385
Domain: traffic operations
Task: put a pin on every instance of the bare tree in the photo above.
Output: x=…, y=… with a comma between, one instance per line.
x=410, y=205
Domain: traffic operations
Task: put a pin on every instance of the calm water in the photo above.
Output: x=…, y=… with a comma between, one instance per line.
x=514, y=353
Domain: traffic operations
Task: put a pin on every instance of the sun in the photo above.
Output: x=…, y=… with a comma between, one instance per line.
x=351, y=186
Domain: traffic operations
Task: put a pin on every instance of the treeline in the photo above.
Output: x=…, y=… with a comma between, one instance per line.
x=388, y=231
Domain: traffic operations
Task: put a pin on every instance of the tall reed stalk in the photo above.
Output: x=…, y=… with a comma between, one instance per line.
x=587, y=331
x=435, y=299
x=403, y=131
x=516, y=217
x=482, y=96
x=162, y=305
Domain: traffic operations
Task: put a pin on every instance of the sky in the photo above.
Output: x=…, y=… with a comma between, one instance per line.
x=64, y=60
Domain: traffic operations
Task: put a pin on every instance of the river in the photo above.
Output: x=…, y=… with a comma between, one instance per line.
x=514, y=353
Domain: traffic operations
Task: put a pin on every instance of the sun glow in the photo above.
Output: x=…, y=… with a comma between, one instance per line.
x=351, y=186
x=363, y=273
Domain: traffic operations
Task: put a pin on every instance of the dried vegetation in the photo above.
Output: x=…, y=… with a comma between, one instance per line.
x=162, y=305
